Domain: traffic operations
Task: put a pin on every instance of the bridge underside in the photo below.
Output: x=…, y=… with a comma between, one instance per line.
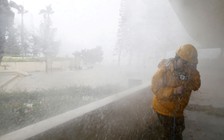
x=203, y=19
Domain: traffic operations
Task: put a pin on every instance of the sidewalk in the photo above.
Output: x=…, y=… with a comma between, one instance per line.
x=202, y=126
x=205, y=112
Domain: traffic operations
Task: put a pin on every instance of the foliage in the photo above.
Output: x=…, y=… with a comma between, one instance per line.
x=18, y=41
x=90, y=56
x=6, y=21
x=46, y=40
x=21, y=108
x=14, y=46
x=12, y=43
x=47, y=33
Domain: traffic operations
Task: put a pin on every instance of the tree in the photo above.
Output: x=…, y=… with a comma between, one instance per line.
x=47, y=42
x=6, y=21
x=12, y=43
x=92, y=56
x=21, y=11
x=88, y=57
x=36, y=49
x=49, y=45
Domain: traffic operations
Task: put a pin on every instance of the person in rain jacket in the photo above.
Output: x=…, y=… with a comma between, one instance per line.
x=172, y=85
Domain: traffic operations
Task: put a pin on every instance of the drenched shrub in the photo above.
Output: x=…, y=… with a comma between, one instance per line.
x=21, y=108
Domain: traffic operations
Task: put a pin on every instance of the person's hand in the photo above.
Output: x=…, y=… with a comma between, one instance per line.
x=179, y=90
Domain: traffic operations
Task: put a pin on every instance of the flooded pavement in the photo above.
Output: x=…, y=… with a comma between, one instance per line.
x=97, y=76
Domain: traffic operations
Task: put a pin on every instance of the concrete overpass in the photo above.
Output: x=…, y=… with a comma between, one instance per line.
x=203, y=20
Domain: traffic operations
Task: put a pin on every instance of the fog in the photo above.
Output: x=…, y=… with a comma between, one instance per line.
x=79, y=23
x=60, y=56
x=134, y=37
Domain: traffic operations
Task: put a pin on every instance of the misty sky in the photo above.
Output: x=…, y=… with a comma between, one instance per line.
x=80, y=23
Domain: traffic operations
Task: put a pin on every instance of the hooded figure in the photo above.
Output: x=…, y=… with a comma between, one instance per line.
x=172, y=85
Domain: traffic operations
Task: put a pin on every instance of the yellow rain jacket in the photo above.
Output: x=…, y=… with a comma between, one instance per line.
x=164, y=83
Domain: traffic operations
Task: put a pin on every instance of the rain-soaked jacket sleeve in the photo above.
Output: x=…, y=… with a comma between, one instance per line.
x=158, y=85
x=195, y=81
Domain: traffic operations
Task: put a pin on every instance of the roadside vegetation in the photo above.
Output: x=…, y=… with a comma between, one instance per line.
x=21, y=108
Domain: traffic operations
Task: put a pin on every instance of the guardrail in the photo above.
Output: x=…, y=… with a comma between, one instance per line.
x=120, y=116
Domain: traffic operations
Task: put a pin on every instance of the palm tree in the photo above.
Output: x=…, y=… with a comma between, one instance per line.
x=48, y=45
x=21, y=11
x=46, y=15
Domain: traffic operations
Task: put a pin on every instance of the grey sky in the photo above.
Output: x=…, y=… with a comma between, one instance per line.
x=80, y=23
